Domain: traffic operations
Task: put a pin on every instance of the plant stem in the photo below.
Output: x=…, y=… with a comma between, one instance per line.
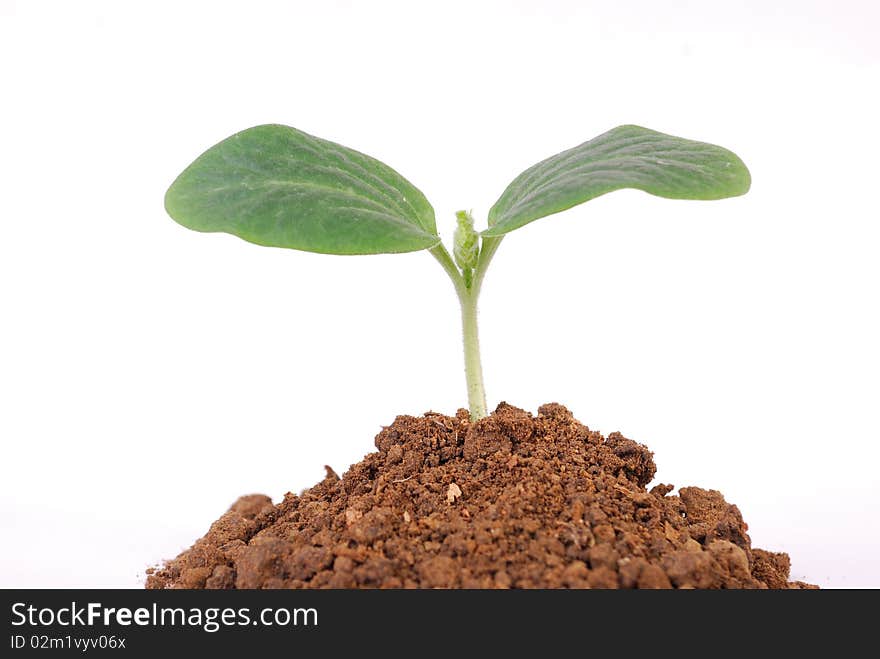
x=487, y=251
x=473, y=367
x=439, y=252
x=467, y=298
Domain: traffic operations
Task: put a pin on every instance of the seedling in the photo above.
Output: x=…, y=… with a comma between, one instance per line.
x=277, y=186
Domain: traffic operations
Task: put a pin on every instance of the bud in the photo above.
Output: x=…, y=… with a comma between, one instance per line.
x=466, y=245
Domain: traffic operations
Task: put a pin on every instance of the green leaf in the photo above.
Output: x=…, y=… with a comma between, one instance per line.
x=624, y=157
x=277, y=186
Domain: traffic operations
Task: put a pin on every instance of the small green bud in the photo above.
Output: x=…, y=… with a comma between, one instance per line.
x=466, y=245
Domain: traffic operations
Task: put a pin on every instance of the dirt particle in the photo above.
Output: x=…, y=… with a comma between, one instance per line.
x=502, y=580
x=637, y=461
x=576, y=575
x=485, y=438
x=771, y=567
x=453, y=492
x=653, y=577
x=439, y=572
x=222, y=578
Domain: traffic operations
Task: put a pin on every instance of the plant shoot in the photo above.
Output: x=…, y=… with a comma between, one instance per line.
x=277, y=186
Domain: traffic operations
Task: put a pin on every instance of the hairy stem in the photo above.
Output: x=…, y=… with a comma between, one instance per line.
x=468, y=294
x=487, y=251
x=439, y=252
x=473, y=367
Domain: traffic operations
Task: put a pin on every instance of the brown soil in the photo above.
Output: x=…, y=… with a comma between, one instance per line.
x=511, y=501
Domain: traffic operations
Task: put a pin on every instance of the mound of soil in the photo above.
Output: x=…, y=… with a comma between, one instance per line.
x=510, y=501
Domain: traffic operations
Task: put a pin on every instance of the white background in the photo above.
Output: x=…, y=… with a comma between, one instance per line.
x=150, y=375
